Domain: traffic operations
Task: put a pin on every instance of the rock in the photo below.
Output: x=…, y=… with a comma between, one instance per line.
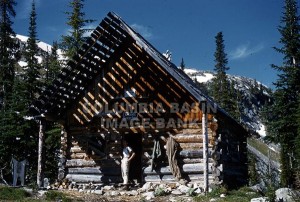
x=147, y=187
x=183, y=189
x=41, y=193
x=148, y=195
x=222, y=196
x=108, y=188
x=173, y=199
x=286, y=195
x=257, y=188
x=122, y=193
x=198, y=191
x=260, y=199
x=132, y=193
x=176, y=192
x=114, y=193
x=212, y=200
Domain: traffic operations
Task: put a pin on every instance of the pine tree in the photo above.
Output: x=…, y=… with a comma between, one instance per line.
x=33, y=68
x=182, y=65
x=283, y=123
x=8, y=48
x=72, y=42
x=54, y=65
x=220, y=83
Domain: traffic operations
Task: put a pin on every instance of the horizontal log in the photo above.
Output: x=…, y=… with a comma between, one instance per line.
x=84, y=178
x=191, y=161
x=77, y=149
x=171, y=178
x=93, y=178
x=96, y=170
x=78, y=156
x=185, y=168
x=188, y=138
x=80, y=163
x=193, y=153
x=193, y=146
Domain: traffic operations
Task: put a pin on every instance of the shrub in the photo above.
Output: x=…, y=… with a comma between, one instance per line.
x=160, y=192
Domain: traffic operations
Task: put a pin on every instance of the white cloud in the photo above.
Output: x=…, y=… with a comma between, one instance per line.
x=142, y=30
x=244, y=51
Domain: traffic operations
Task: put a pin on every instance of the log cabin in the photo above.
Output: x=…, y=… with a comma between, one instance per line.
x=119, y=86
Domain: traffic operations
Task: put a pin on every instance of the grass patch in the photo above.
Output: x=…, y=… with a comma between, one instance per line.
x=13, y=194
x=243, y=194
x=57, y=196
x=263, y=148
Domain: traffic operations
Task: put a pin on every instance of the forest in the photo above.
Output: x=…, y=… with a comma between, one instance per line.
x=20, y=86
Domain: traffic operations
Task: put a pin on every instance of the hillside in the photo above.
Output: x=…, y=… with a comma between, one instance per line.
x=254, y=95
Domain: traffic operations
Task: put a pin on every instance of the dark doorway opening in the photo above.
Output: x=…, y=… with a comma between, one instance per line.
x=135, y=142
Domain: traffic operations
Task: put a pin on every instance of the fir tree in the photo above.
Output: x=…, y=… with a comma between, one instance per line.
x=283, y=123
x=8, y=48
x=54, y=65
x=72, y=42
x=33, y=68
x=220, y=83
x=182, y=65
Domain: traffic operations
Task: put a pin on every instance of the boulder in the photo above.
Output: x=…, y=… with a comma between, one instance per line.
x=286, y=195
x=183, y=189
x=176, y=192
x=260, y=199
x=148, y=195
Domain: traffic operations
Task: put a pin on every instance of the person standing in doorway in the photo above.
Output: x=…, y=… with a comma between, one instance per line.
x=128, y=155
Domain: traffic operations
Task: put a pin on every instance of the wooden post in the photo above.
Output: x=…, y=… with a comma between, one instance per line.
x=205, y=150
x=40, y=172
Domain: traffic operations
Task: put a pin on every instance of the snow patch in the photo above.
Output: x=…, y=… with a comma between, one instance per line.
x=44, y=46
x=262, y=130
x=22, y=38
x=204, y=78
x=190, y=71
x=22, y=63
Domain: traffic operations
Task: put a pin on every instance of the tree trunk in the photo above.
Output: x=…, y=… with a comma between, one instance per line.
x=40, y=172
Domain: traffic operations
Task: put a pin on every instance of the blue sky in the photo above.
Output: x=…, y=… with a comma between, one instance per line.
x=185, y=27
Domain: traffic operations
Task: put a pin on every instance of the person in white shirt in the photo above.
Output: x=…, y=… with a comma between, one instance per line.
x=128, y=155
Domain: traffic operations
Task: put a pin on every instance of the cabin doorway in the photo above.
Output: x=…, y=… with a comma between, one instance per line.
x=135, y=170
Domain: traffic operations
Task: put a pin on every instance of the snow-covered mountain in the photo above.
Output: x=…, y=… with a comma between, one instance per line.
x=254, y=95
x=43, y=49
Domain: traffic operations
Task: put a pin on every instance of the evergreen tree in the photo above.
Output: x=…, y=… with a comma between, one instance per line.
x=8, y=48
x=283, y=123
x=54, y=65
x=33, y=68
x=220, y=83
x=72, y=42
x=182, y=65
